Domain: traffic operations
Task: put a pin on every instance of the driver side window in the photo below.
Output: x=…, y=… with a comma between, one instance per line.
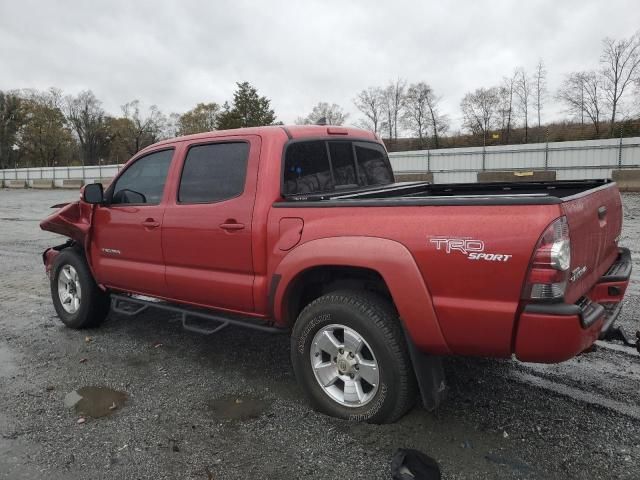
x=143, y=182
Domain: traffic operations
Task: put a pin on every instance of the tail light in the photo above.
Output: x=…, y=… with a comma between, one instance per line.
x=549, y=269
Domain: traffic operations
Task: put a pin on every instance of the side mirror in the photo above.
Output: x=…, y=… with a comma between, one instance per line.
x=93, y=193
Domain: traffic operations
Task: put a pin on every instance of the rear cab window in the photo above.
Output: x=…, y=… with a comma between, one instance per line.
x=318, y=166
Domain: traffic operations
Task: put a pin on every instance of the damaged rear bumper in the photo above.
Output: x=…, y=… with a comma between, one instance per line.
x=550, y=333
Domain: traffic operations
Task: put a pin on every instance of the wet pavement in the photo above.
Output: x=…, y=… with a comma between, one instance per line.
x=227, y=406
x=95, y=402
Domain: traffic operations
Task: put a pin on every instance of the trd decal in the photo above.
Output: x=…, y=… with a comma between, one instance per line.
x=111, y=251
x=470, y=247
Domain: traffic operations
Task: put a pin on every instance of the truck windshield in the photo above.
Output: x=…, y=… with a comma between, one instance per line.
x=318, y=166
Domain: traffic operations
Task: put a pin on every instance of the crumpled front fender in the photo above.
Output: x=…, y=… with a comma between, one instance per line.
x=73, y=221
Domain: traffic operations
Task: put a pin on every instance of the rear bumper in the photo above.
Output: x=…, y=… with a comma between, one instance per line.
x=550, y=333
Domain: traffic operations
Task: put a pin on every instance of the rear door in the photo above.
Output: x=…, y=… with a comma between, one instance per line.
x=126, y=246
x=595, y=223
x=206, y=234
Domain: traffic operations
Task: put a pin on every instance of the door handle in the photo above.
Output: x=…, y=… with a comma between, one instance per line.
x=602, y=212
x=231, y=225
x=150, y=223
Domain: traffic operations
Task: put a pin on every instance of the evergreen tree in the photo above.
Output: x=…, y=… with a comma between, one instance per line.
x=247, y=110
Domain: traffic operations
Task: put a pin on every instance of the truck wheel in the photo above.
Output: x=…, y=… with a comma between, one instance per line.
x=78, y=300
x=349, y=353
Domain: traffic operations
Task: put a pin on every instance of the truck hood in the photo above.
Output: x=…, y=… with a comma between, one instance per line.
x=73, y=220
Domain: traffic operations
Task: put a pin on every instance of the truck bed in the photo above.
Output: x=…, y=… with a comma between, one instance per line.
x=424, y=193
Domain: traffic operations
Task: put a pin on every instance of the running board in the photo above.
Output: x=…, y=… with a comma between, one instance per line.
x=131, y=306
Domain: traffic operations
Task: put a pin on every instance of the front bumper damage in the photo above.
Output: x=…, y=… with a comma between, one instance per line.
x=550, y=333
x=50, y=254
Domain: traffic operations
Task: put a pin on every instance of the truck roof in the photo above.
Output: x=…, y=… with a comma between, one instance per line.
x=292, y=131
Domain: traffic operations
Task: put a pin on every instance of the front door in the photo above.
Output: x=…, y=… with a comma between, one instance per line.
x=126, y=247
x=206, y=232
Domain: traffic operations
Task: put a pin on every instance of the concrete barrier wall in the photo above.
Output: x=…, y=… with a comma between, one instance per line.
x=72, y=184
x=14, y=184
x=42, y=184
x=414, y=177
x=517, y=176
x=627, y=180
x=58, y=175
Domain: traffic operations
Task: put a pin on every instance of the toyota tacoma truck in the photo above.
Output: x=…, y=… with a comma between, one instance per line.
x=304, y=230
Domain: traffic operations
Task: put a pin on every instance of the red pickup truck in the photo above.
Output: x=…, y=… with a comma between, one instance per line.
x=304, y=230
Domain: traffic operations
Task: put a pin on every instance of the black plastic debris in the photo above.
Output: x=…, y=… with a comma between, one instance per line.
x=409, y=464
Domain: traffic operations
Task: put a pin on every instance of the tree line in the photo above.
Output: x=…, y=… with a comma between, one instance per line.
x=45, y=129
x=600, y=97
x=49, y=128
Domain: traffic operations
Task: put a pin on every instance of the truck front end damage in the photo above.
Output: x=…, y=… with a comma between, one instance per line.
x=73, y=220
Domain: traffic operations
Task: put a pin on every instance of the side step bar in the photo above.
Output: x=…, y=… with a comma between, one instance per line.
x=131, y=306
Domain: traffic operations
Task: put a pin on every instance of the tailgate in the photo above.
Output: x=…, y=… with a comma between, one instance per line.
x=595, y=222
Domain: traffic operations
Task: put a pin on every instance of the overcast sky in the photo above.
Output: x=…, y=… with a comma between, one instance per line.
x=176, y=54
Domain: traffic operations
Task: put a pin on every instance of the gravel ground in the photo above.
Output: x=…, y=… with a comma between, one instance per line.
x=228, y=406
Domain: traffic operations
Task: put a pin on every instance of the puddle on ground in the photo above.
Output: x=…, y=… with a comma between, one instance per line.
x=95, y=402
x=233, y=407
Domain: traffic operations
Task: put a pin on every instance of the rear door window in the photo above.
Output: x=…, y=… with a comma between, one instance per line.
x=214, y=172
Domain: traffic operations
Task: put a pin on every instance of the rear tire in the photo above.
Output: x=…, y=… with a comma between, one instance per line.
x=78, y=300
x=350, y=356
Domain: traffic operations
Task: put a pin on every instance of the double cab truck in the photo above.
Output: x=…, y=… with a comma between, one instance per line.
x=304, y=230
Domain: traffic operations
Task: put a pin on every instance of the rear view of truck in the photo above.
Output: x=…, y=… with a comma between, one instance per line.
x=577, y=278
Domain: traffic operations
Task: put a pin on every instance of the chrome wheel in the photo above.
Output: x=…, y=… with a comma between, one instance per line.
x=344, y=365
x=69, y=290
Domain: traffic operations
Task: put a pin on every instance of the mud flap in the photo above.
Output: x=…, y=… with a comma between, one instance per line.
x=429, y=374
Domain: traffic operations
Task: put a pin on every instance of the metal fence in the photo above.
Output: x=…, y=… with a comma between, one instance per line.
x=88, y=174
x=570, y=160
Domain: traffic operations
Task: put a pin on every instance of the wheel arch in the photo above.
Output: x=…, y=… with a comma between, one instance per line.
x=372, y=263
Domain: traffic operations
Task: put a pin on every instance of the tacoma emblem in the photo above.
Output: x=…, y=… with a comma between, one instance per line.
x=473, y=249
x=111, y=251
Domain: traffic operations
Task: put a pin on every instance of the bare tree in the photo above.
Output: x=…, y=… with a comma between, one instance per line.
x=540, y=88
x=620, y=60
x=416, y=114
x=480, y=110
x=422, y=114
x=87, y=118
x=523, y=90
x=506, y=106
x=143, y=129
x=582, y=94
x=332, y=113
x=393, y=105
x=369, y=102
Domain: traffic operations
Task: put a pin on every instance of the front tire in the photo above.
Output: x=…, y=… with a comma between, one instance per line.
x=349, y=354
x=78, y=300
